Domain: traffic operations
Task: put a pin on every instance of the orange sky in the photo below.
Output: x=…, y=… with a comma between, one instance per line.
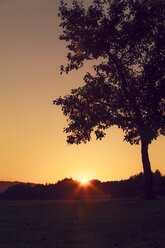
x=33, y=146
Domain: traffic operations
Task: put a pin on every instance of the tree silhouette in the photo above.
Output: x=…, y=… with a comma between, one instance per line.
x=125, y=40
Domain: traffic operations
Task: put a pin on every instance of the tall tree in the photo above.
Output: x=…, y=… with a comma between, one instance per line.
x=127, y=87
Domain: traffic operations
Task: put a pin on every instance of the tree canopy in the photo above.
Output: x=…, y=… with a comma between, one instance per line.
x=128, y=85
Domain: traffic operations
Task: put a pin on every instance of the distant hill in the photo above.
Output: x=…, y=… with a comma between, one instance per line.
x=4, y=185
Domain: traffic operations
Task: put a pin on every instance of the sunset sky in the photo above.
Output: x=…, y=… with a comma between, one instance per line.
x=33, y=146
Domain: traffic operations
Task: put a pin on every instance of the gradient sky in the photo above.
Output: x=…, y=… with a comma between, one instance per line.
x=33, y=146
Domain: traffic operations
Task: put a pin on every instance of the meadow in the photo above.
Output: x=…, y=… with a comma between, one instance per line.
x=126, y=223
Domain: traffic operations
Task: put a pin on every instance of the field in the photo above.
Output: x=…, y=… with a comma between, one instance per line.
x=82, y=224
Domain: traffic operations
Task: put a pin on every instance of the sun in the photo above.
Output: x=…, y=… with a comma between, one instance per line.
x=84, y=181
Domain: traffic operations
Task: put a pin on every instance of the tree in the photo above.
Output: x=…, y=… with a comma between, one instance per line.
x=125, y=41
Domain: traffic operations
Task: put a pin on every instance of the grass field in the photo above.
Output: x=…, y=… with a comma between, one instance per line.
x=82, y=224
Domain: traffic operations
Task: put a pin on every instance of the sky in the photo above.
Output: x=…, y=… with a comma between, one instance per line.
x=33, y=146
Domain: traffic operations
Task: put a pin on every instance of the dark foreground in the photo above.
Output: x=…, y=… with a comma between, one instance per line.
x=82, y=224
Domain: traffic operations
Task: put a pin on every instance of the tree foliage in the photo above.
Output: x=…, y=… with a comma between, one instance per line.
x=125, y=38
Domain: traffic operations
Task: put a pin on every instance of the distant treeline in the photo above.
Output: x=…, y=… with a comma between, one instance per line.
x=71, y=189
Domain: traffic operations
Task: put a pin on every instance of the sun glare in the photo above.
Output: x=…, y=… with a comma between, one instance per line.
x=84, y=181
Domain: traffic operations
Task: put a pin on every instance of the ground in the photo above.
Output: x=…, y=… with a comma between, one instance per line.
x=125, y=223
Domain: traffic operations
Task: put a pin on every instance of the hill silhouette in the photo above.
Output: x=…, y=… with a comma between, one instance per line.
x=4, y=185
x=72, y=189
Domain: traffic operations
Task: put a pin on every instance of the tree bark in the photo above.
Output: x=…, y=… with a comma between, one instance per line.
x=148, y=178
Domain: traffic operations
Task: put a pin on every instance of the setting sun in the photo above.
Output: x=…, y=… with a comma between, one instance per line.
x=84, y=181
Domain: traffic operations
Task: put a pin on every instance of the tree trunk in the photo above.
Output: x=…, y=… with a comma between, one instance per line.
x=149, y=193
